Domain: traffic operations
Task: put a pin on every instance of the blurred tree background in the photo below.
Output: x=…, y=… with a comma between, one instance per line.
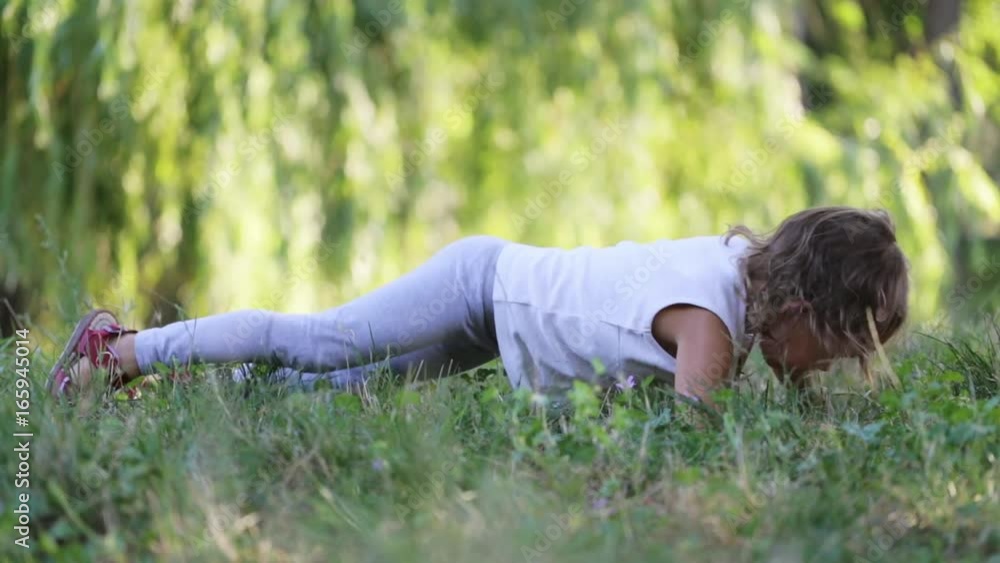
x=182, y=158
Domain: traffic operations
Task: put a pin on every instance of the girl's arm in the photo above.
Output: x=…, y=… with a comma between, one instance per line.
x=701, y=343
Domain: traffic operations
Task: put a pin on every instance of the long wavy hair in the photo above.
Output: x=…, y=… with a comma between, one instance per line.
x=843, y=262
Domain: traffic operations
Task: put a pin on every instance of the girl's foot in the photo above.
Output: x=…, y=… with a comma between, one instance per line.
x=98, y=342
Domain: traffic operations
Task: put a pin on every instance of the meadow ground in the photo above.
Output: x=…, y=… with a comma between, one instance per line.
x=466, y=470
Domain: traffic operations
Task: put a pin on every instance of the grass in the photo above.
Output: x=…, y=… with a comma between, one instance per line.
x=466, y=470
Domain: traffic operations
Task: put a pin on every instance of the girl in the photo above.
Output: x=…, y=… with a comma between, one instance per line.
x=829, y=283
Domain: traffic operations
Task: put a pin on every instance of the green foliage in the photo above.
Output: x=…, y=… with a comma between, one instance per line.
x=228, y=154
x=465, y=468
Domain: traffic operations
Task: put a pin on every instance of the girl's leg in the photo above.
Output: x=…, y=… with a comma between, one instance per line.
x=447, y=300
x=427, y=363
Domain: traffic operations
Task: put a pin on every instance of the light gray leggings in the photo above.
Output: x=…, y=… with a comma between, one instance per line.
x=435, y=320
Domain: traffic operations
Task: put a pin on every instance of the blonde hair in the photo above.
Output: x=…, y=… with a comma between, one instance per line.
x=843, y=262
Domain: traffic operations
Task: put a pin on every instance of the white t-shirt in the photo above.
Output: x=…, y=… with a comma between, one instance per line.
x=562, y=314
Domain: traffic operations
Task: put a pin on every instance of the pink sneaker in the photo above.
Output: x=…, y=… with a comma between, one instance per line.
x=91, y=339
